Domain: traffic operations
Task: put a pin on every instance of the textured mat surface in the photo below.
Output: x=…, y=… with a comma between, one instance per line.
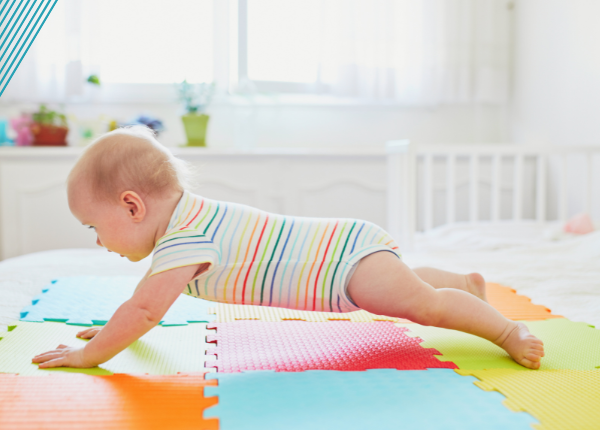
x=161, y=351
x=298, y=345
x=514, y=306
x=567, y=345
x=376, y=399
x=559, y=399
x=105, y=402
x=229, y=313
x=89, y=300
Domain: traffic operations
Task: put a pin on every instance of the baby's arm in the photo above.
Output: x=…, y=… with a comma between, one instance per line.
x=89, y=333
x=133, y=319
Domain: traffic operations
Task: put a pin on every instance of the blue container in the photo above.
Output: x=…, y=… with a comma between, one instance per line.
x=4, y=140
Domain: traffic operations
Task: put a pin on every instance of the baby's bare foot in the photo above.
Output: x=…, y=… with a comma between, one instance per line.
x=522, y=346
x=476, y=285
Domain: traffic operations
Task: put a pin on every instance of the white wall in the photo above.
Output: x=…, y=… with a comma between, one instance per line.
x=556, y=95
x=557, y=72
x=314, y=125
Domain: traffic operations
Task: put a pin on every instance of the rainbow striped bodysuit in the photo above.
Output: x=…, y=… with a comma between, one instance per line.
x=260, y=258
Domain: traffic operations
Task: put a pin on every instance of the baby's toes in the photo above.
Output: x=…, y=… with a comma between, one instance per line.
x=537, y=341
x=531, y=364
x=533, y=356
x=538, y=349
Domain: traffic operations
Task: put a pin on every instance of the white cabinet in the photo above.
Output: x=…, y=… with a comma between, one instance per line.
x=34, y=215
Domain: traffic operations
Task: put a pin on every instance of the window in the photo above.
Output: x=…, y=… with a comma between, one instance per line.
x=154, y=42
x=410, y=52
x=282, y=43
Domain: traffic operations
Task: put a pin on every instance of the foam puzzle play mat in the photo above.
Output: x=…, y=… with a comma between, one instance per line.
x=235, y=367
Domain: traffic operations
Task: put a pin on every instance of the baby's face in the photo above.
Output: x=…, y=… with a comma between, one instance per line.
x=115, y=230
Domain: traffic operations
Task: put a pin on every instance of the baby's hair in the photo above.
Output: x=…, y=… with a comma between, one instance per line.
x=130, y=158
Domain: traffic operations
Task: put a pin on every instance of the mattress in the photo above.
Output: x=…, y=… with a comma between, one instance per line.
x=557, y=270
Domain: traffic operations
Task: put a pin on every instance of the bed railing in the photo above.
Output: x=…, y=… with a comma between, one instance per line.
x=418, y=183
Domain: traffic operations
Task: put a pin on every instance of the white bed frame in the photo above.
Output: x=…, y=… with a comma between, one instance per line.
x=561, y=181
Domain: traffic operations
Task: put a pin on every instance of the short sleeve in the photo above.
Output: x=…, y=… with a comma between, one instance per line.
x=183, y=249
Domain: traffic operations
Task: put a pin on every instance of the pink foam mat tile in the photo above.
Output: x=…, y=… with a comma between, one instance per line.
x=295, y=346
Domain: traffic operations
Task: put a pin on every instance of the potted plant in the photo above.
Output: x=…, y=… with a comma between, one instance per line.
x=196, y=98
x=49, y=128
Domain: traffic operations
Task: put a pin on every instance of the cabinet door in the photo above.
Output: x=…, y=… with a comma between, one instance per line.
x=339, y=187
x=34, y=212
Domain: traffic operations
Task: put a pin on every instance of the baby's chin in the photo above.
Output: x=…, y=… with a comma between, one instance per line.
x=133, y=259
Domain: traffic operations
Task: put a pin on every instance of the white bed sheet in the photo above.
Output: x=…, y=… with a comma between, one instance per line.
x=560, y=271
x=557, y=270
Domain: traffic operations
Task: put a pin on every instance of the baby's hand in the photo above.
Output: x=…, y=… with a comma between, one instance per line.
x=89, y=333
x=63, y=356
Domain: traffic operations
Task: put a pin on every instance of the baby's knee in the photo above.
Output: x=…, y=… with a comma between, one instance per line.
x=428, y=314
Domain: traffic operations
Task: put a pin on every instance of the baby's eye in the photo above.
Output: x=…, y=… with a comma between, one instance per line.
x=92, y=227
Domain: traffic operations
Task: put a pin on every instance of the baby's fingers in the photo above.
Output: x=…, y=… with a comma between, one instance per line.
x=84, y=332
x=42, y=358
x=89, y=333
x=57, y=362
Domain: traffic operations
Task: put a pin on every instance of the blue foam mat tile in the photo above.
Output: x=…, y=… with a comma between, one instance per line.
x=375, y=399
x=92, y=300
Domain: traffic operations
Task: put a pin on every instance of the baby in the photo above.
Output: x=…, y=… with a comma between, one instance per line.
x=132, y=192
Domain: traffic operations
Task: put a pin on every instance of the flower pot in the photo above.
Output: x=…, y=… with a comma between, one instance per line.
x=195, y=129
x=48, y=135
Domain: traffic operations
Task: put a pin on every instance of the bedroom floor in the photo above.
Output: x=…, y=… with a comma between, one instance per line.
x=275, y=370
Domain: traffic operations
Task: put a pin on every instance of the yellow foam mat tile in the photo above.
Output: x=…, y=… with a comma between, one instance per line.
x=161, y=351
x=230, y=313
x=567, y=345
x=559, y=399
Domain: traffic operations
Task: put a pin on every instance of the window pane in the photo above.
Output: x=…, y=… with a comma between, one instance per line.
x=154, y=41
x=283, y=40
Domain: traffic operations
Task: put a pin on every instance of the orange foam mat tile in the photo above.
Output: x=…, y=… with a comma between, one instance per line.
x=559, y=399
x=514, y=306
x=119, y=401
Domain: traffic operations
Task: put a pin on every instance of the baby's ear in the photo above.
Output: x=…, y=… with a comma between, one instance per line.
x=133, y=203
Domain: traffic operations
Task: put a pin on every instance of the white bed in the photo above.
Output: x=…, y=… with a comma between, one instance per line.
x=557, y=270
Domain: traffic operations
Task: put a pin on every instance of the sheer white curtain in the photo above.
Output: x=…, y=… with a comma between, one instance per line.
x=55, y=68
x=417, y=52
x=413, y=52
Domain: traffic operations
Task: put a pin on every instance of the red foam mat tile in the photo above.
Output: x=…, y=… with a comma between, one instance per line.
x=294, y=346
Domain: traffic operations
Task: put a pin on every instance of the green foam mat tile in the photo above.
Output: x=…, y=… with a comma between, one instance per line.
x=559, y=399
x=161, y=351
x=567, y=345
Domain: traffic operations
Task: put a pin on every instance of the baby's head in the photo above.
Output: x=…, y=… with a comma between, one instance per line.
x=126, y=186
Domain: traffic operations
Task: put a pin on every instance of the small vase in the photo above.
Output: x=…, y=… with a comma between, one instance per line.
x=195, y=128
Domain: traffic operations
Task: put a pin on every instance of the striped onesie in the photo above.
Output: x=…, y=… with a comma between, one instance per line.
x=260, y=258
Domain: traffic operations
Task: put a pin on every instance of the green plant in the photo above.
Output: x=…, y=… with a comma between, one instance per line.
x=195, y=97
x=49, y=117
x=94, y=80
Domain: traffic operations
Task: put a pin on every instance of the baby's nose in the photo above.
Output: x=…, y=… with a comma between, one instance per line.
x=98, y=241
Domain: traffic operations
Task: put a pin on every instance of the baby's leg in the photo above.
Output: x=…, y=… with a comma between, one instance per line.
x=382, y=284
x=472, y=283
